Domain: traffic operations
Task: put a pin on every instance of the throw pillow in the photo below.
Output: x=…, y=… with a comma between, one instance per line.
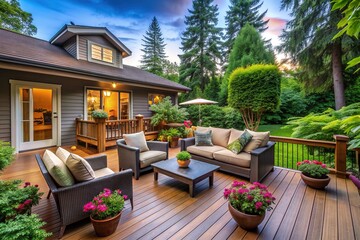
x=238, y=145
x=260, y=139
x=62, y=154
x=57, y=169
x=203, y=138
x=80, y=168
x=136, y=140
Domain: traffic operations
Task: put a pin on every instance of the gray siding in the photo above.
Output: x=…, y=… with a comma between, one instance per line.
x=83, y=48
x=72, y=100
x=70, y=46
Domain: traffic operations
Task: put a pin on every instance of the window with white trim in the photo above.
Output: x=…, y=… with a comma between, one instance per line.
x=101, y=53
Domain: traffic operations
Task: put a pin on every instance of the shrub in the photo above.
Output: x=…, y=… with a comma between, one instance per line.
x=314, y=169
x=183, y=156
x=167, y=112
x=254, y=90
x=6, y=154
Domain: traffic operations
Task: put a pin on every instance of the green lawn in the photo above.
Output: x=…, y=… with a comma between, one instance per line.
x=276, y=130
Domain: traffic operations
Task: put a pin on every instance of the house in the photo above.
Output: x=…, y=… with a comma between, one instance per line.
x=46, y=85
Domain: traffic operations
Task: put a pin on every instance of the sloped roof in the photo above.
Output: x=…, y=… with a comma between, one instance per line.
x=26, y=50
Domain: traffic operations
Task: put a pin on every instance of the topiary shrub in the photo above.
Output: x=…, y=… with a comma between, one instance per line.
x=254, y=90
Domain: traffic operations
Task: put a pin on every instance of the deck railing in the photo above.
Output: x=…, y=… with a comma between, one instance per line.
x=289, y=151
x=104, y=133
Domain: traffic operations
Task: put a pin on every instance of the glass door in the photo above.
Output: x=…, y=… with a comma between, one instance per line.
x=37, y=118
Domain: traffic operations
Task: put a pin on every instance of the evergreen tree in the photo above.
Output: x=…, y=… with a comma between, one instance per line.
x=200, y=44
x=171, y=70
x=248, y=49
x=308, y=41
x=242, y=12
x=12, y=17
x=211, y=90
x=154, y=49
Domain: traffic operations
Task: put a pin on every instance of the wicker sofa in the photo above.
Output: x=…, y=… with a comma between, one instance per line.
x=254, y=164
x=70, y=200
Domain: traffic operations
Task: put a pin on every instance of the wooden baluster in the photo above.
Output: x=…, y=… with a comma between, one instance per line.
x=340, y=155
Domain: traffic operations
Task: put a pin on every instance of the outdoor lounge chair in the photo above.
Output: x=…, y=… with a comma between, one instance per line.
x=131, y=157
x=70, y=200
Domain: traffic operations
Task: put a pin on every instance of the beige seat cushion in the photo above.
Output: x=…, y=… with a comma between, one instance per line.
x=80, y=168
x=234, y=134
x=57, y=169
x=136, y=140
x=103, y=172
x=242, y=159
x=62, y=154
x=220, y=136
x=149, y=157
x=259, y=139
x=204, y=151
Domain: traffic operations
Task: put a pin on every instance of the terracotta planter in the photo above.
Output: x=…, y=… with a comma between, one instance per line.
x=246, y=221
x=99, y=120
x=317, y=183
x=183, y=164
x=174, y=142
x=105, y=227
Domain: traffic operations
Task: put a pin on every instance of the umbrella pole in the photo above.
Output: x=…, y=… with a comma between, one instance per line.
x=199, y=115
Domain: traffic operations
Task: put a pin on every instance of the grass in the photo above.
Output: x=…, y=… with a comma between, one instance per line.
x=276, y=130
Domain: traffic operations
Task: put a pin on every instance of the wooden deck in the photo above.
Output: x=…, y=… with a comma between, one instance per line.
x=164, y=210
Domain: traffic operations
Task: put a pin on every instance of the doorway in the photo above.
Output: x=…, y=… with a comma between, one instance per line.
x=36, y=115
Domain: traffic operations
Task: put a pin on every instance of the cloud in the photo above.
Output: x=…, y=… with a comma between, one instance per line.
x=276, y=25
x=177, y=23
x=173, y=39
x=127, y=39
x=123, y=29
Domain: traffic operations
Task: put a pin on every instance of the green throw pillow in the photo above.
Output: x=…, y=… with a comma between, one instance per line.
x=203, y=138
x=238, y=145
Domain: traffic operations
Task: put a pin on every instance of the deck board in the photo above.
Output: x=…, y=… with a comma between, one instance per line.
x=164, y=209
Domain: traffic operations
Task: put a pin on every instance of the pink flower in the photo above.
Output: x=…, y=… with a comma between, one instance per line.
x=27, y=202
x=227, y=192
x=243, y=190
x=323, y=165
x=119, y=191
x=125, y=197
x=27, y=184
x=36, y=185
x=249, y=198
x=258, y=205
x=237, y=184
x=298, y=164
x=267, y=195
x=89, y=207
x=20, y=207
x=101, y=207
x=306, y=161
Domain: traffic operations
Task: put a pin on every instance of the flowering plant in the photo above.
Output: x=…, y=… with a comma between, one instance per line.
x=314, y=169
x=16, y=200
x=187, y=123
x=106, y=205
x=254, y=199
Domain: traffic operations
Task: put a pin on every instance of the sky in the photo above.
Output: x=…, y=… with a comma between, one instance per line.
x=130, y=19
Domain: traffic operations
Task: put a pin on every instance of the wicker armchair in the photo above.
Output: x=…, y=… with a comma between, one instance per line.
x=130, y=157
x=70, y=200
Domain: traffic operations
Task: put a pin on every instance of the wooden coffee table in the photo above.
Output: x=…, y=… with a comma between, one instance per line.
x=196, y=172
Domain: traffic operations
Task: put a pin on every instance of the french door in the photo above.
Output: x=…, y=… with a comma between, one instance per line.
x=36, y=113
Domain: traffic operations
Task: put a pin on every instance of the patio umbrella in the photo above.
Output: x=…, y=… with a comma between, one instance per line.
x=198, y=101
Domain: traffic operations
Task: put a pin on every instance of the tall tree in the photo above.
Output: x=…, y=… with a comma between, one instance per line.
x=171, y=70
x=12, y=17
x=308, y=40
x=154, y=49
x=200, y=44
x=248, y=49
x=242, y=12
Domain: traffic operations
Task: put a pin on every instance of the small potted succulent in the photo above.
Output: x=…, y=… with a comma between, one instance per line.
x=314, y=173
x=99, y=115
x=105, y=211
x=183, y=159
x=248, y=203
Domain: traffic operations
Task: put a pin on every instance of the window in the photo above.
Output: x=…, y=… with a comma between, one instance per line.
x=116, y=104
x=101, y=53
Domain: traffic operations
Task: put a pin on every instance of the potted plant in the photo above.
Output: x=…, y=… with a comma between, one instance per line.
x=248, y=203
x=173, y=135
x=162, y=136
x=314, y=173
x=105, y=211
x=183, y=159
x=99, y=115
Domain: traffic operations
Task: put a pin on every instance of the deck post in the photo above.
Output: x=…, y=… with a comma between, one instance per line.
x=140, y=122
x=101, y=138
x=340, y=155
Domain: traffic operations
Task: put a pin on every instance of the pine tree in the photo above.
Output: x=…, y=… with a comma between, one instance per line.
x=248, y=49
x=211, y=90
x=242, y=12
x=200, y=44
x=154, y=49
x=308, y=41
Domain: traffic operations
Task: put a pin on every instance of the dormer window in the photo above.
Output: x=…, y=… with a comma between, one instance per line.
x=101, y=53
